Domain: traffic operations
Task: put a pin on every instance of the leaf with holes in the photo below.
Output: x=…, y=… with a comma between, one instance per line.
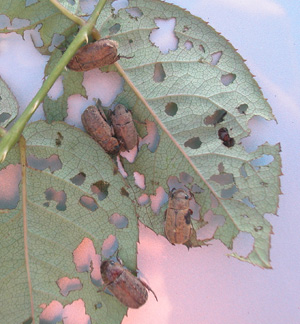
x=71, y=213
x=72, y=84
x=8, y=105
x=201, y=96
x=41, y=16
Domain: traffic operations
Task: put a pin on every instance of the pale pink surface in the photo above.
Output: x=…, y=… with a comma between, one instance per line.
x=203, y=285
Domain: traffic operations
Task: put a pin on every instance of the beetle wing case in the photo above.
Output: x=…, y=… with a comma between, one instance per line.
x=98, y=128
x=95, y=55
x=124, y=127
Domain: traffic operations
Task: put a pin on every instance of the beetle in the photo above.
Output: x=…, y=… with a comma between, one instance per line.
x=225, y=137
x=95, y=55
x=95, y=123
x=128, y=289
x=124, y=128
x=178, y=226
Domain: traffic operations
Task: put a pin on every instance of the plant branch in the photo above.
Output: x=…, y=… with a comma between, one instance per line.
x=77, y=20
x=13, y=135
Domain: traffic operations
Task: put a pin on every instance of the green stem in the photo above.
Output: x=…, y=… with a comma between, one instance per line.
x=77, y=20
x=13, y=135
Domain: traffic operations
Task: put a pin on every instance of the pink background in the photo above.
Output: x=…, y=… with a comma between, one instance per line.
x=203, y=285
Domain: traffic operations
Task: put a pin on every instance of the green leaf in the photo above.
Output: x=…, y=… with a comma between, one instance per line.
x=191, y=93
x=8, y=105
x=39, y=236
x=42, y=14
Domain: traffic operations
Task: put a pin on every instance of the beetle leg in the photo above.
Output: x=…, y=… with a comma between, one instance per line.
x=149, y=288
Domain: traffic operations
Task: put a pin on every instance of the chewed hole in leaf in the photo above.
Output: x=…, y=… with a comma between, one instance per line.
x=4, y=21
x=19, y=23
x=57, y=89
x=243, y=171
x=135, y=12
x=225, y=137
x=242, y=108
x=100, y=188
x=119, y=4
x=164, y=36
x=86, y=260
x=201, y=48
x=171, y=109
x=114, y=29
x=130, y=155
x=57, y=39
x=75, y=313
x=196, y=189
x=10, y=178
x=247, y=202
x=193, y=143
x=216, y=118
x=188, y=45
x=213, y=201
x=110, y=246
x=71, y=2
x=58, y=139
x=223, y=178
x=124, y=192
x=258, y=228
x=30, y=2
x=262, y=161
x=130, y=41
x=52, y=314
x=152, y=138
x=143, y=200
x=98, y=305
x=213, y=222
x=121, y=168
x=66, y=285
x=159, y=73
x=59, y=197
x=79, y=179
x=215, y=57
x=53, y=163
x=139, y=180
x=4, y=117
x=185, y=178
x=227, y=79
x=119, y=221
x=243, y=244
x=89, y=203
x=228, y=193
x=158, y=200
x=185, y=29
x=195, y=209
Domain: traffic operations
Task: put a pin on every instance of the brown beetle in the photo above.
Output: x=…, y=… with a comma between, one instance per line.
x=124, y=128
x=95, y=123
x=128, y=289
x=224, y=136
x=178, y=217
x=95, y=55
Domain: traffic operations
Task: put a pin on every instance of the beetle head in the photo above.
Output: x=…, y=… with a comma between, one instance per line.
x=111, y=270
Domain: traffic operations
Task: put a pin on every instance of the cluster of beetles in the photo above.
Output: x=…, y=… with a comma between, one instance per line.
x=114, y=134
